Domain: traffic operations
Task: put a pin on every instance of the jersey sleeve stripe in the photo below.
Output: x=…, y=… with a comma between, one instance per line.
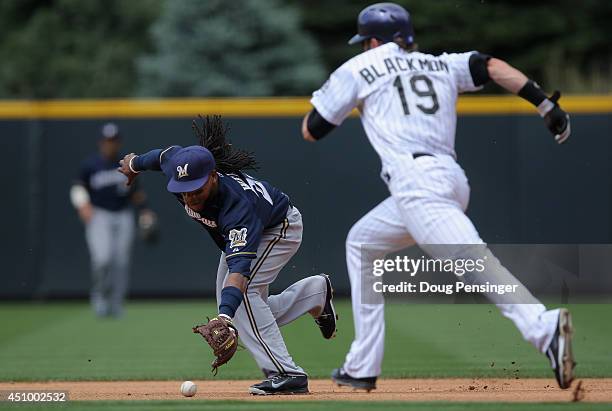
x=163, y=152
x=240, y=253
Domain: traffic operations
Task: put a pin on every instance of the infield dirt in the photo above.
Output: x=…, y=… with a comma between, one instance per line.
x=491, y=390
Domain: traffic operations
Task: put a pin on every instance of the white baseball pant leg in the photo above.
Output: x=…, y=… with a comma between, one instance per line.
x=380, y=231
x=429, y=195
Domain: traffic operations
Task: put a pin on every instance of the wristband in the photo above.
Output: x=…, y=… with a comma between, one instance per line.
x=532, y=92
x=79, y=196
x=225, y=317
x=131, y=166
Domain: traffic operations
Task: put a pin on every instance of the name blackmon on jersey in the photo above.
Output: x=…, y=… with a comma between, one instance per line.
x=401, y=64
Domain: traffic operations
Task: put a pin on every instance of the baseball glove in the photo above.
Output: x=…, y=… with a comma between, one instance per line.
x=222, y=337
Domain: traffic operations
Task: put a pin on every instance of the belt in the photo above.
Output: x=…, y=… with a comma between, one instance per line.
x=387, y=176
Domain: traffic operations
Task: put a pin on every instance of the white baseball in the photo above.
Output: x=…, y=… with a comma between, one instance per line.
x=188, y=389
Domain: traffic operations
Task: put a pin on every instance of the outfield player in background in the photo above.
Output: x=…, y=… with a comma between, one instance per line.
x=257, y=230
x=407, y=104
x=105, y=206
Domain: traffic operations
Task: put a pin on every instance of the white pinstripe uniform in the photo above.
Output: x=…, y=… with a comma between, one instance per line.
x=407, y=104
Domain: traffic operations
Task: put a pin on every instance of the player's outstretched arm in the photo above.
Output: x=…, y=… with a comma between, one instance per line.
x=513, y=80
x=132, y=164
x=505, y=75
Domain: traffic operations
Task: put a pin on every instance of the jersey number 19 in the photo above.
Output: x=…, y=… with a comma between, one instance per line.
x=422, y=91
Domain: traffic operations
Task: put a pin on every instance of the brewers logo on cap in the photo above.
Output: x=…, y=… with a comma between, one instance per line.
x=182, y=171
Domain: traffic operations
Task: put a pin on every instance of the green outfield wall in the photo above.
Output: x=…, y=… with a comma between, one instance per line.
x=525, y=188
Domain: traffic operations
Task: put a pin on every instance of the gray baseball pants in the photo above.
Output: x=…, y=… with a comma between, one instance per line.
x=260, y=315
x=109, y=237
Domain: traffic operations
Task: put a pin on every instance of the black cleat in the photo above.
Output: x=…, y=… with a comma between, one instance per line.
x=327, y=320
x=340, y=377
x=560, y=350
x=281, y=384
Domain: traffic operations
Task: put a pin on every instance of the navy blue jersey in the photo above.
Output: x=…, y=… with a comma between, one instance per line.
x=106, y=187
x=236, y=217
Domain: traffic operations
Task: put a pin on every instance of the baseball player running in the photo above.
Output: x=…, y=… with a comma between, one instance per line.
x=407, y=104
x=257, y=230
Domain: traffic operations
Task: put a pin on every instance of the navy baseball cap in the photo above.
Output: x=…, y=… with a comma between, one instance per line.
x=384, y=21
x=191, y=167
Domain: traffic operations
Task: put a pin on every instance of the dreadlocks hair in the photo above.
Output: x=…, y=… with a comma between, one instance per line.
x=212, y=136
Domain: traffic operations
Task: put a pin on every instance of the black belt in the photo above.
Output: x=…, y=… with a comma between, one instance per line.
x=387, y=176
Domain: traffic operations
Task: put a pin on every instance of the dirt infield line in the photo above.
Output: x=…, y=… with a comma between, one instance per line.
x=493, y=390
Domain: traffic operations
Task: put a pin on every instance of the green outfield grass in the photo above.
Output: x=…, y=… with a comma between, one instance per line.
x=198, y=405
x=63, y=341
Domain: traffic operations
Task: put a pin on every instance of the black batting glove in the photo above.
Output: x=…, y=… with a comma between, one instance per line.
x=557, y=120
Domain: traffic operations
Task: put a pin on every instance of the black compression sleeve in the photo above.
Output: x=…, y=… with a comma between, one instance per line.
x=317, y=125
x=231, y=298
x=478, y=68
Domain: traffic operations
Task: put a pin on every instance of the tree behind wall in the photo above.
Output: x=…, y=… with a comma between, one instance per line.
x=230, y=48
x=563, y=43
x=72, y=48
